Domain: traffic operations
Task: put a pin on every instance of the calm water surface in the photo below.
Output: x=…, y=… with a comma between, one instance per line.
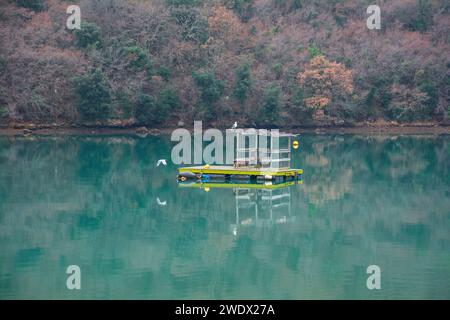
x=93, y=202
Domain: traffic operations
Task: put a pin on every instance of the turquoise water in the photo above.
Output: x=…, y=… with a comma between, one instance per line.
x=93, y=202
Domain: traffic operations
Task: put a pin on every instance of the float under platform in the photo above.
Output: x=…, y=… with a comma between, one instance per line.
x=230, y=170
x=231, y=173
x=209, y=185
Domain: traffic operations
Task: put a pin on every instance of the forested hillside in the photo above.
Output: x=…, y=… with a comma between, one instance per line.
x=261, y=62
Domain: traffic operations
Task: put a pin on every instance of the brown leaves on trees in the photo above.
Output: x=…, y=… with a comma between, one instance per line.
x=407, y=102
x=225, y=25
x=324, y=81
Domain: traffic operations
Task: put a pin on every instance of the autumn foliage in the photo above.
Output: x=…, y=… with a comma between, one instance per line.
x=265, y=62
x=224, y=23
x=324, y=81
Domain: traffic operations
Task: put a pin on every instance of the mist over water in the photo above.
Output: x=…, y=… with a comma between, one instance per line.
x=93, y=202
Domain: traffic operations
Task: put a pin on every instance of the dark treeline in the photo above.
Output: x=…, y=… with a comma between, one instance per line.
x=263, y=62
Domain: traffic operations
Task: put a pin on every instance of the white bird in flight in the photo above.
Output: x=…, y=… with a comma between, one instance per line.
x=234, y=125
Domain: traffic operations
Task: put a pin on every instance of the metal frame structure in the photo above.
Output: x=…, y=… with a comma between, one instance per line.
x=262, y=148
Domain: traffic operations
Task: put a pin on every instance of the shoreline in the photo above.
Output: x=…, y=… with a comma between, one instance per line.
x=372, y=129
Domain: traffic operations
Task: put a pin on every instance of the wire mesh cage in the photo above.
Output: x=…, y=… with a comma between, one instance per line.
x=263, y=148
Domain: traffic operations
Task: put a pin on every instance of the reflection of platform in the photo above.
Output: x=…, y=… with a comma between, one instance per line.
x=262, y=207
x=211, y=185
x=257, y=204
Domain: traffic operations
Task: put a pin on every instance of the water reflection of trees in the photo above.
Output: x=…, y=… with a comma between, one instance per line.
x=93, y=200
x=334, y=165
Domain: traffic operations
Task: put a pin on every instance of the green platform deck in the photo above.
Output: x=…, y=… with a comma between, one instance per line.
x=212, y=185
x=231, y=170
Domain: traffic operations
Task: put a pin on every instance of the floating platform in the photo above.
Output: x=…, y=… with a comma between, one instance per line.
x=231, y=173
x=212, y=185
